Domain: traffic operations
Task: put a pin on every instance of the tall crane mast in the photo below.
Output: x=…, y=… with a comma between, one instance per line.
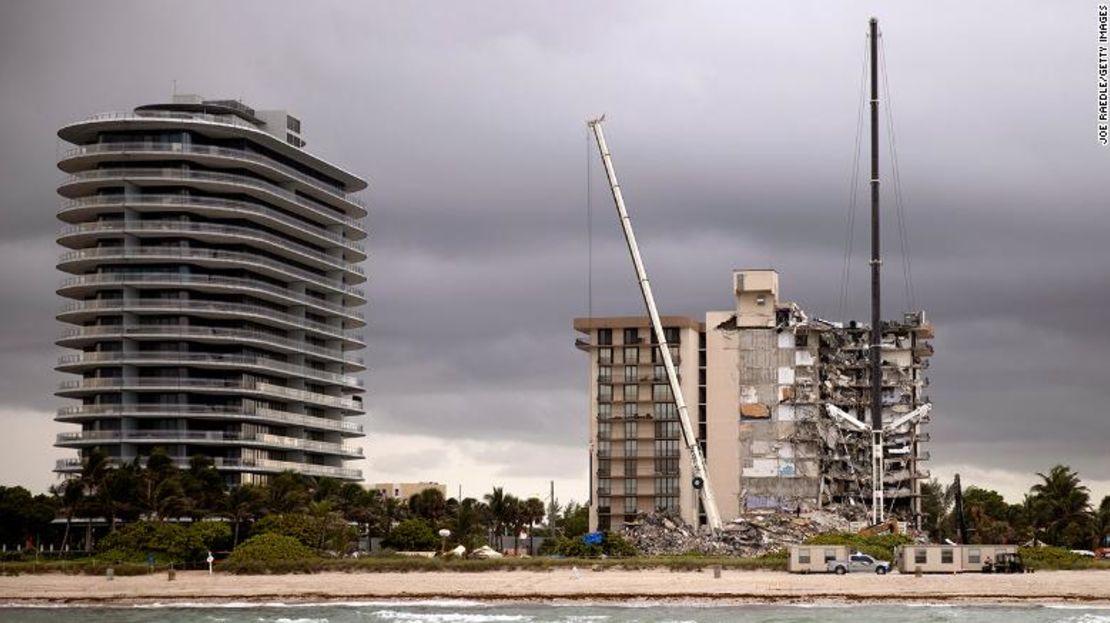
x=700, y=474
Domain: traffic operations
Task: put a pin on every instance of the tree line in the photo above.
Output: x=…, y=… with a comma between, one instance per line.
x=1057, y=510
x=325, y=514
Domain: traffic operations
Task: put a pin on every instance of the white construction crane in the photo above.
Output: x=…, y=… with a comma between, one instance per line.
x=700, y=475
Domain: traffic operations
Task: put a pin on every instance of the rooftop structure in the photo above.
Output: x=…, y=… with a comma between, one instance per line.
x=213, y=291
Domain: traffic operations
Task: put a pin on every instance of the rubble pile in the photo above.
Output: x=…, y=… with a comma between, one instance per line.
x=752, y=534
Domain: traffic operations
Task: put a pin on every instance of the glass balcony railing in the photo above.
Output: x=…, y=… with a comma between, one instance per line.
x=186, y=202
x=175, y=357
x=244, y=412
x=236, y=257
x=170, y=227
x=220, y=334
x=186, y=176
x=180, y=280
x=187, y=436
x=185, y=383
x=170, y=149
x=245, y=465
x=183, y=306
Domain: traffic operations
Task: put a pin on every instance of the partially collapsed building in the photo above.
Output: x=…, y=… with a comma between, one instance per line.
x=766, y=377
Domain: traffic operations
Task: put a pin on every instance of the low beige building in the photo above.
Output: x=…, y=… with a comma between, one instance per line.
x=947, y=558
x=405, y=490
x=758, y=379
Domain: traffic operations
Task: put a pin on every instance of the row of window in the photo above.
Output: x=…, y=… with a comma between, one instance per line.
x=663, y=430
x=667, y=466
x=631, y=355
x=631, y=393
x=660, y=411
x=632, y=335
x=667, y=503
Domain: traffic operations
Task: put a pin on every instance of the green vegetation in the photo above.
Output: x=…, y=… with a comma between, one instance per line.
x=1057, y=511
x=169, y=543
x=878, y=546
x=269, y=549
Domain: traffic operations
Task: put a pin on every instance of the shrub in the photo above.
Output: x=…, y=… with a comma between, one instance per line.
x=612, y=544
x=412, y=535
x=270, y=549
x=880, y=546
x=215, y=535
x=168, y=542
x=1053, y=558
x=327, y=532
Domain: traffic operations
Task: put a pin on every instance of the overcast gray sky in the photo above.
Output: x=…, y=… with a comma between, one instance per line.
x=732, y=125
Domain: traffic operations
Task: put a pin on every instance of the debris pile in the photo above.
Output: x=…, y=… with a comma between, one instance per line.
x=753, y=534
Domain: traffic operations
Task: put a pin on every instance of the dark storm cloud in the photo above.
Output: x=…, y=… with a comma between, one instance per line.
x=733, y=129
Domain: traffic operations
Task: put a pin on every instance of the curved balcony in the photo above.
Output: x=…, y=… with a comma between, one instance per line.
x=78, y=211
x=90, y=438
x=87, y=156
x=208, y=309
x=86, y=182
x=83, y=336
x=71, y=363
x=86, y=284
x=208, y=232
x=244, y=413
x=218, y=126
x=213, y=258
x=83, y=387
x=268, y=466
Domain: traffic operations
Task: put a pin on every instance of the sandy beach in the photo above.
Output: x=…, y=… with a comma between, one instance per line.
x=1086, y=587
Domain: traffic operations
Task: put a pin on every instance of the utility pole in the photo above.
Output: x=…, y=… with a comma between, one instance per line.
x=877, y=502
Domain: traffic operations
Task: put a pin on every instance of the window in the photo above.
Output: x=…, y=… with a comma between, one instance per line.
x=631, y=429
x=630, y=486
x=666, y=447
x=605, y=374
x=293, y=140
x=604, y=430
x=701, y=340
x=667, y=430
x=666, y=466
x=631, y=393
x=604, y=503
x=603, y=487
x=666, y=486
x=603, y=467
x=605, y=337
x=630, y=447
x=629, y=409
x=671, y=334
x=630, y=507
x=801, y=340
x=604, y=448
x=605, y=355
x=605, y=411
x=659, y=372
x=803, y=556
x=632, y=355
x=630, y=374
x=920, y=556
x=661, y=393
x=667, y=503
x=830, y=555
x=973, y=556
x=632, y=336
x=630, y=467
x=946, y=556
x=604, y=393
x=665, y=411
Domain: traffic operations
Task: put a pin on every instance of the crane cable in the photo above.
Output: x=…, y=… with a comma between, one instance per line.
x=896, y=177
x=846, y=266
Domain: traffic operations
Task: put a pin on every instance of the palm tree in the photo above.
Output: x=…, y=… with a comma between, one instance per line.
x=428, y=504
x=1102, y=523
x=533, y=512
x=243, y=503
x=71, y=497
x=1062, y=507
x=498, y=510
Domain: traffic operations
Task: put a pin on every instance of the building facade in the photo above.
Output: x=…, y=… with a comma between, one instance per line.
x=759, y=380
x=405, y=490
x=213, y=291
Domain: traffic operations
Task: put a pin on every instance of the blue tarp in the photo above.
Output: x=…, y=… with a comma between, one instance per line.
x=593, y=538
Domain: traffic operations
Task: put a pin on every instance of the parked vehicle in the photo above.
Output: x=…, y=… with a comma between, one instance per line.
x=858, y=562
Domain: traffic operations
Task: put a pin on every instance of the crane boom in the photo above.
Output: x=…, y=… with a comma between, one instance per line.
x=700, y=474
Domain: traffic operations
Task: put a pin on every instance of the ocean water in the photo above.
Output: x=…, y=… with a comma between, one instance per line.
x=476, y=612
